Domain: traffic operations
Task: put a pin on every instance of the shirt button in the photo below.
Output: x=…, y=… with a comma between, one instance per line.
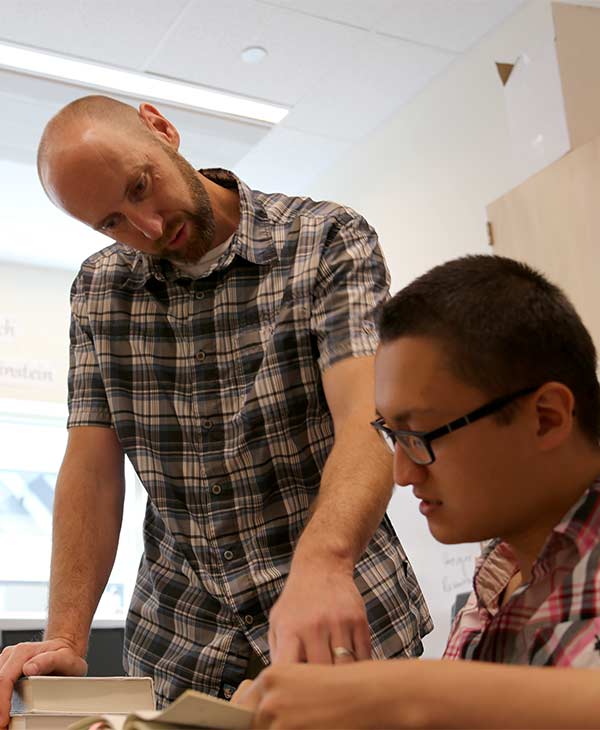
x=207, y=424
x=249, y=620
x=201, y=356
x=199, y=294
x=228, y=555
x=216, y=489
x=228, y=692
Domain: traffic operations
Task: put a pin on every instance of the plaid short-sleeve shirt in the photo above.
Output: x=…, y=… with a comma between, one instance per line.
x=554, y=620
x=213, y=386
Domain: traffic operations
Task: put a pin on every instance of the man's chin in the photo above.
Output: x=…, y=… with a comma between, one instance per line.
x=189, y=256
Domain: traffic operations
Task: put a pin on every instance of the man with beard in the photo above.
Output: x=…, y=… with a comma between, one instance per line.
x=225, y=345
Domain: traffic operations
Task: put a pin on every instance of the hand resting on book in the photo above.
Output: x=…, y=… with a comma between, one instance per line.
x=55, y=656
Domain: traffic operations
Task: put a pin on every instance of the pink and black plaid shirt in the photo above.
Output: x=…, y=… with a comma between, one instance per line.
x=552, y=620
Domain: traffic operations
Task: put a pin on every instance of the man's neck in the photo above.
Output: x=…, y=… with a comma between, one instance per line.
x=225, y=204
x=562, y=493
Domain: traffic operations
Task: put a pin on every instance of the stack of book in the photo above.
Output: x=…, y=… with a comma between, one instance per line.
x=115, y=703
x=54, y=703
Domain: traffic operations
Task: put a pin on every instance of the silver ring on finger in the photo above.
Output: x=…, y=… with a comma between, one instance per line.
x=342, y=651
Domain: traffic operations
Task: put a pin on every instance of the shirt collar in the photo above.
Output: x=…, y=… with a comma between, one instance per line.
x=493, y=571
x=581, y=524
x=252, y=241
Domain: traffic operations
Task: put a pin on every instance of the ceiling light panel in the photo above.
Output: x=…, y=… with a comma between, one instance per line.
x=107, y=78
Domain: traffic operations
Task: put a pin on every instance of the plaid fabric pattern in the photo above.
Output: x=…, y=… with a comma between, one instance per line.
x=555, y=618
x=213, y=386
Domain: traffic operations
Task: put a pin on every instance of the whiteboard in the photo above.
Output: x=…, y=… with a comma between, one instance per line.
x=442, y=570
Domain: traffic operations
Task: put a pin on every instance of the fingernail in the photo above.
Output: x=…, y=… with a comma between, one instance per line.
x=31, y=668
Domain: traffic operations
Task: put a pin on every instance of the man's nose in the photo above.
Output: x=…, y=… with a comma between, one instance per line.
x=406, y=472
x=148, y=222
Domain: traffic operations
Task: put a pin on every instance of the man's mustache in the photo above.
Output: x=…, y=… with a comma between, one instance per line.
x=170, y=232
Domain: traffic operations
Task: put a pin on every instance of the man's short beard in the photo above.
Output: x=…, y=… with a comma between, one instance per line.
x=201, y=219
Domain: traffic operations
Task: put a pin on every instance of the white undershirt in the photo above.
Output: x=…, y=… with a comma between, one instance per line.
x=200, y=267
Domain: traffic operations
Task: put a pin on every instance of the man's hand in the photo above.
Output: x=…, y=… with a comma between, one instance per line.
x=319, y=614
x=55, y=656
x=240, y=696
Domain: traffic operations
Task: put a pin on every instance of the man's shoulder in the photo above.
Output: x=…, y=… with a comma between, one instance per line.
x=113, y=264
x=281, y=208
x=115, y=255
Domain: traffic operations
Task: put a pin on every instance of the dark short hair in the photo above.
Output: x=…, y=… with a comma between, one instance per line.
x=503, y=326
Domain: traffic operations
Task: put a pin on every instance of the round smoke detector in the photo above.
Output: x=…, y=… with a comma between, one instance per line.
x=254, y=54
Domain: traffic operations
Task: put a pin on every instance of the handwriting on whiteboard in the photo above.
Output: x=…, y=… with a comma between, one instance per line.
x=457, y=572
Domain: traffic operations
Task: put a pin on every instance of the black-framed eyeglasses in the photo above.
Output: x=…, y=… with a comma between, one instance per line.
x=417, y=444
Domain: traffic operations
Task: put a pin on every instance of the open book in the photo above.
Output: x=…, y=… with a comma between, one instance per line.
x=191, y=710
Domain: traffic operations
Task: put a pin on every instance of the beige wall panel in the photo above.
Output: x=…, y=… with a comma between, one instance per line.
x=552, y=221
x=578, y=49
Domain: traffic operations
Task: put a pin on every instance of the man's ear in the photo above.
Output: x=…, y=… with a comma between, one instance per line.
x=554, y=411
x=159, y=125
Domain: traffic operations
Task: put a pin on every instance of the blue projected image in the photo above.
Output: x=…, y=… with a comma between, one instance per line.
x=26, y=499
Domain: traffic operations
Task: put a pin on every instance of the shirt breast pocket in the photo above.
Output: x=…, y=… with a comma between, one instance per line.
x=276, y=363
x=252, y=345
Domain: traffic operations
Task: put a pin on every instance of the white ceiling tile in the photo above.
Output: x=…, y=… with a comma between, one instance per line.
x=451, y=24
x=287, y=161
x=205, y=46
x=358, y=96
x=360, y=14
x=112, y=31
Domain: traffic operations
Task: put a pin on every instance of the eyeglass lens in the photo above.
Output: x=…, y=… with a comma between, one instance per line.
x=415, y=448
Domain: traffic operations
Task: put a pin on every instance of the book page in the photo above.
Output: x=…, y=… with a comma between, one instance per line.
x=199, y=710
x=191, y=709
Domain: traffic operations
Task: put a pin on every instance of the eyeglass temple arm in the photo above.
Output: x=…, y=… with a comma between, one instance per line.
x=478, y=413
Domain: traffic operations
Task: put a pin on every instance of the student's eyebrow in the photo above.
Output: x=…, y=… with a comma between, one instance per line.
x=404, y=416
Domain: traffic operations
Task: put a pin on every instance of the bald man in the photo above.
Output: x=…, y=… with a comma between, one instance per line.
x=225, y=345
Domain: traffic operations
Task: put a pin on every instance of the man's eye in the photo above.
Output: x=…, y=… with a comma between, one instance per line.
x=109, y=225
x=140, y=186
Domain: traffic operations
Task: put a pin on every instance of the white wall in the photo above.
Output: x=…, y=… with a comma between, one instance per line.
x=423, y=180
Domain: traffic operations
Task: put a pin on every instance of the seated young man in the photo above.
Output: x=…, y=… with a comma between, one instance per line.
x=487, y=392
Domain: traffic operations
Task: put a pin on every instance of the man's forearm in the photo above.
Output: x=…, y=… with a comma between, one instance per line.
x=355, y=490
x=86, y=525
x=320, y=608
